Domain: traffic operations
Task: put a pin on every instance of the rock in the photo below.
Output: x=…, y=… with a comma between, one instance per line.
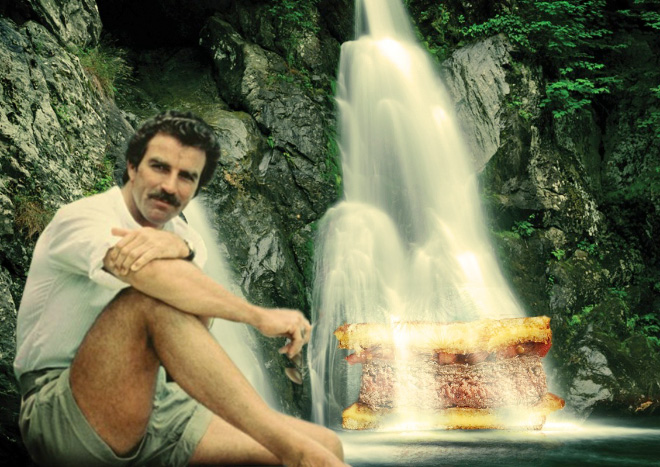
x=53, y=127
x=579, y=134
x=585, y=391
x=75, y=23
x=339, y=18
x=258, y=81
x=7, y=318
x=57, y=132
x=11, y=448
x=476, y=79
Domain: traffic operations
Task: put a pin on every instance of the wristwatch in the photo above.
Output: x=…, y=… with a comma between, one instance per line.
x=191, y=255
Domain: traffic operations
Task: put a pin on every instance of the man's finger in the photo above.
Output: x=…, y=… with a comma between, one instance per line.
x=306, y=332
x=145, y=258
x=120, y=232
x=296, y=343
x=135, y=253
x=120, y=246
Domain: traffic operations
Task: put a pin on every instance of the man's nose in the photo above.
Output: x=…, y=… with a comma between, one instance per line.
x=168, y=184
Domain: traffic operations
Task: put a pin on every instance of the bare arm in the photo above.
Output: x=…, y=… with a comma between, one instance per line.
x=140, y=246
x=183, y=286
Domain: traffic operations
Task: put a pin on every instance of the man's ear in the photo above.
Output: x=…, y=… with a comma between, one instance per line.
x=131, y=170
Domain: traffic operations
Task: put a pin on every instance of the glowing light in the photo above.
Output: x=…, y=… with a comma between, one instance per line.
x=470, y=266
x=561, y=426
x=439, y=115
x=397, y=54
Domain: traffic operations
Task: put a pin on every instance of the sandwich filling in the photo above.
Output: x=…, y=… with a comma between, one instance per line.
x=469, y=374
x=428, y=385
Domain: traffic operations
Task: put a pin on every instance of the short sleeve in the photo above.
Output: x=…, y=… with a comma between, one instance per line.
x=79, y=238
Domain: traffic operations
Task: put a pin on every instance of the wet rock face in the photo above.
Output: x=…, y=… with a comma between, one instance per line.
x=11, y=449
x=74, y=23
x=258, y=81
x=567, y=250
x=56, y=131
x=285, y=184
x=476, y=78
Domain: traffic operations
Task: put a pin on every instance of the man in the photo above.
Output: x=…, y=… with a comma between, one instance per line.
x=115, y=291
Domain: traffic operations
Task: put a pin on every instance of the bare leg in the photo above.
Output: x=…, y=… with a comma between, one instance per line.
x=226, y=442
x=113, y=378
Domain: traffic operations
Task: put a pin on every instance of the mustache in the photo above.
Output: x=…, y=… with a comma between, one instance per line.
x=165, y=197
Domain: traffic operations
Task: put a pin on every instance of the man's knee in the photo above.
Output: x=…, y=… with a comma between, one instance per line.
x=131, y=297
x=137, y=304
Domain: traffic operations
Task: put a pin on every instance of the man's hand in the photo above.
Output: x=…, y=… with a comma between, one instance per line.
x=299, y=450
x=315, y=456
x=281, y=322
x=139, y=247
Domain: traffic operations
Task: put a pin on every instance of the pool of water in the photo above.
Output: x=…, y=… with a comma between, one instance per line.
x=598, y=443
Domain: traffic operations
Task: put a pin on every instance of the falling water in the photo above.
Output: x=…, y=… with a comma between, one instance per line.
x=235, y=338
x=408, y=240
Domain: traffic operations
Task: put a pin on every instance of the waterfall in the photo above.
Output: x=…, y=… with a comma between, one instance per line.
x=408, y=241
x=235, y=338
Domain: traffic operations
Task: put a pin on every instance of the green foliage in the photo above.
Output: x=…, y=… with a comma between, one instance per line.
x=332, y=172
x=568, y=38
x=295, y=13
x=516, y=103
x=524, y=229
x=437, y=29
x=588, y=49
x=62, y=113
x=289, y=158
x=617, y=292
x=579, y=318
x=645, y=186
x=652, y=119
x=647, y=325
x=590, y=248
x=296, y=17
x=558, y=253
x=107, y=66
x=105, y=180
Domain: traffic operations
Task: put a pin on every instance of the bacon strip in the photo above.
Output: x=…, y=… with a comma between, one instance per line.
x=444, y=358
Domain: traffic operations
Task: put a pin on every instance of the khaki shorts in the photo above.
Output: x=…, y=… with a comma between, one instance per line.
x=56, y=432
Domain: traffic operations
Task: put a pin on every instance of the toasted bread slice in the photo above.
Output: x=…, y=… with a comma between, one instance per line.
x=361, y=417
x=486, y=335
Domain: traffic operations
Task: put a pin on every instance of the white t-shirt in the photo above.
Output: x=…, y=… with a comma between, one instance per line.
x=67, y=288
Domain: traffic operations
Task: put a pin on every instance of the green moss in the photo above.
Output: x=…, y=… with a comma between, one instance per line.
x=439, y=29
x=295, y=16
x=106, y=65
x=105, y=178
x=333, y=173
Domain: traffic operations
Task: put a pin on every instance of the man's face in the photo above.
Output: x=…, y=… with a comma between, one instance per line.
x=164, y=181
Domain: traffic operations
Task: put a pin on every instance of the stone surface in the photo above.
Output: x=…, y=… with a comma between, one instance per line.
x=475, y=77
x=56, y=132
x=259, y=81
x=74, y=23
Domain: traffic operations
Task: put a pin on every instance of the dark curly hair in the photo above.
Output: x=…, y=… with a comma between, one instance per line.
x=187, y=128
